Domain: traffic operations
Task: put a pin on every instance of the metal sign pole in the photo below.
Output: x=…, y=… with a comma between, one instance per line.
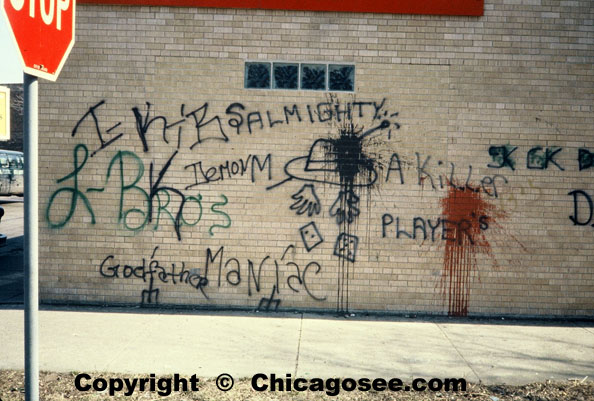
x=31, y=240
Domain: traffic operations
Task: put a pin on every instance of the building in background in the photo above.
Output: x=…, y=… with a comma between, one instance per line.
x=435, y=161
x=11, y=104
x=4, y=113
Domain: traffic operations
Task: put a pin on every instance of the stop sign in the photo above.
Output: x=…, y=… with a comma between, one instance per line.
x=44, y=33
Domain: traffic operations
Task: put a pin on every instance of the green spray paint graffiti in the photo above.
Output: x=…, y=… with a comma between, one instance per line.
x=74, y=191
x=148, y=208
x=216, y=211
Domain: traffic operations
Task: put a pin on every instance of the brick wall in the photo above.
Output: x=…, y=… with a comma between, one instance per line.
x=456, y=179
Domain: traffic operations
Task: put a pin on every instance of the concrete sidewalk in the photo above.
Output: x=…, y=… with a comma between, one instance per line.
x=242, y=344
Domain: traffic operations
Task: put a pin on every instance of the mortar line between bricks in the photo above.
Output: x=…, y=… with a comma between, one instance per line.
x=298, y=346
x=458, y=352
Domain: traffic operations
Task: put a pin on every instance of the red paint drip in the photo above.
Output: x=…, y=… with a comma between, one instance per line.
x=467, y=217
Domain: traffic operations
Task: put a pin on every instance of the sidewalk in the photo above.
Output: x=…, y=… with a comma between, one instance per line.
x=242, y=344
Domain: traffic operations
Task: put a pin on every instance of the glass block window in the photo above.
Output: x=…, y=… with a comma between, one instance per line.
x=313, y=76
x=304, y=76
x=257, y=75
x=341, y=77
x=286, y=76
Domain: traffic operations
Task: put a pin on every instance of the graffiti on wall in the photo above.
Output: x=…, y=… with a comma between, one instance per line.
x=348, y=160
x=543, y=158
x=219, y=270
x=155, y=201
x=141, y=205
x=468, y=216
x=355, y=159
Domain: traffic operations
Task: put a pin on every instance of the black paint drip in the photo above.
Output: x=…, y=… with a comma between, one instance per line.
x=356, y=170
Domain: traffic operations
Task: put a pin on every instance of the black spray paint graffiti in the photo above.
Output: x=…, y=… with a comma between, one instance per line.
x=345, y=160
x=346, y=248
x=502, y=156
x=159, y=198
x=539, y=158
x=144, y=205
x=155, y=203
x=151, y=270
x=441, y=175
x=198, y=116
x=306, y=200
x=342, y=160
x=235, y=275
x=206, y=126
x=585, y=159
x=582, y=201
x=226, y=271
x=100, y=134
x=434, y=230
x=268, y=304
x=310, y=235
x=228, y=170
x=322, y=112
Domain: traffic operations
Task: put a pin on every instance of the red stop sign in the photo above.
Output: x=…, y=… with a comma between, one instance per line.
x=44, y=33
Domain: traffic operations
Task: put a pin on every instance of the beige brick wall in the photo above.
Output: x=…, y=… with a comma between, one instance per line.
x=466, y=89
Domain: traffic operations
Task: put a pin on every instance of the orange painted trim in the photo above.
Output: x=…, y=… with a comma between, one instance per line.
x=427, y=7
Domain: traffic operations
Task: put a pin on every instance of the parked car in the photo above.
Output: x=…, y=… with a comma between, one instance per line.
x=11, y=173
x=2, y=236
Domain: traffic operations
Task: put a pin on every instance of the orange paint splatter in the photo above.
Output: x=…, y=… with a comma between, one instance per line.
x=467, y=217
